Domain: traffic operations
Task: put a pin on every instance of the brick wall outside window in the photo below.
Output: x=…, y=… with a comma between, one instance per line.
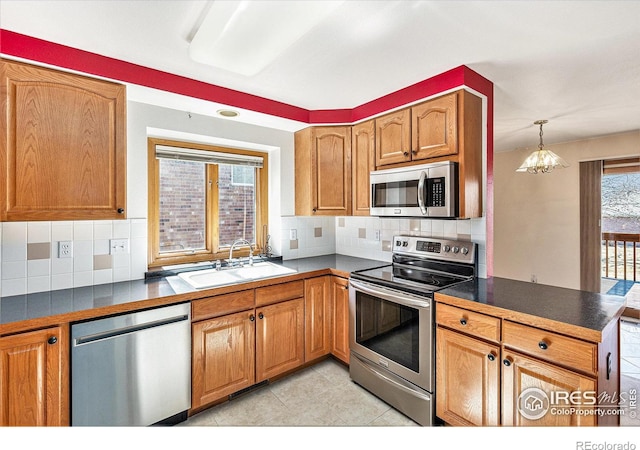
x=182, y=206
x=237, y=208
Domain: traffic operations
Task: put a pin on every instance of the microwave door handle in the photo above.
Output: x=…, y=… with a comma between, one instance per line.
x=421, y=202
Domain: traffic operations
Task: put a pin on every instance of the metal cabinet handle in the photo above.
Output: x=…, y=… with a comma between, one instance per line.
x=543, y=345
x=463, y=321
x=491, y=356
x=252, y=317
x=507, y=362
x=415, y=152
x=52, y=340
x=120, y=210
x=261, y=316
x=405, y=153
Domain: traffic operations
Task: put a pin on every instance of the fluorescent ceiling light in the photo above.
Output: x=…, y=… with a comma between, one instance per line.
x=245, y=36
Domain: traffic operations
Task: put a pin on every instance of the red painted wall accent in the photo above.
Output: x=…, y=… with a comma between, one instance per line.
x=34, y=49
x=38, y=50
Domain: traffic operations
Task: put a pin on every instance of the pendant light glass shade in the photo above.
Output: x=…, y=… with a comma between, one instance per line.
x=541, y=160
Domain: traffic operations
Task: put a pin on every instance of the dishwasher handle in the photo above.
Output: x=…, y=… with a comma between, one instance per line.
x=90, y=338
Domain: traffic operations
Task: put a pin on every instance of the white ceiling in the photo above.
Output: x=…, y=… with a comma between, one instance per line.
x=575, y=63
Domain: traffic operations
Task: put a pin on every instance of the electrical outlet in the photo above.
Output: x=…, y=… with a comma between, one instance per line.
x=293, y=234
x=377, y=236
x=65, y=249
x=118, y=246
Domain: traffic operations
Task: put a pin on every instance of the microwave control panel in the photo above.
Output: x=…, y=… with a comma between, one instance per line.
x=436, y=192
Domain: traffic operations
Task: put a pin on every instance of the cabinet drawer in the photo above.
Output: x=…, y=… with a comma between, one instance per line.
x=553, y=347
x=279, y=292
x=476, y=324
x=221, y=305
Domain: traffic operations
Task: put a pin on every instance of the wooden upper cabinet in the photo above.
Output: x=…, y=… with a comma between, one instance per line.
x=323, y=171
x=63, y=145
x=434, y=127
x=393, y=138
x=363, y=154
x=34, y=378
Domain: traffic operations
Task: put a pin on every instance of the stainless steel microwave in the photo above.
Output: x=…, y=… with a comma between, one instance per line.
x=427, y=190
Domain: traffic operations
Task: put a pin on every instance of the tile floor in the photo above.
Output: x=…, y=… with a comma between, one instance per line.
x=321, y=395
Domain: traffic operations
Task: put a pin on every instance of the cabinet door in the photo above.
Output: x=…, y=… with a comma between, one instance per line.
x=317, y=321
x=223, y=357
x=279, y=338
x=63, y=147
x=34, y=378
x=332, y=174
x=393, y=138
x=362, y=163
x=467, y=380
x=340, y=319
x=434, y=128
x=520, y=373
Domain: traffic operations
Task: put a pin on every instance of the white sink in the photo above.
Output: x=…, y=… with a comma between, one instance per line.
x=201, y=279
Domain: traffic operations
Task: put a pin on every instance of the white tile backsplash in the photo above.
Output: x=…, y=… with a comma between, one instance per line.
x=349, y=241
x=38, y=232
x=19, y=276
x=316, y=236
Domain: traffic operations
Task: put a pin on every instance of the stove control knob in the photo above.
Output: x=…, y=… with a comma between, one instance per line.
x=405, y=244
x=455, y=249
x=398, y=243
x=447, y=248
x=464, y=250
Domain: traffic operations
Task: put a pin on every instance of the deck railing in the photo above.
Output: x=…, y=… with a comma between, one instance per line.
x=620, y=256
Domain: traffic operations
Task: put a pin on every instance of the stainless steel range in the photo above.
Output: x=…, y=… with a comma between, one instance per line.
x=391, y=315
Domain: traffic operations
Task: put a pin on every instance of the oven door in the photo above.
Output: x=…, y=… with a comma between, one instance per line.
x=394, y=330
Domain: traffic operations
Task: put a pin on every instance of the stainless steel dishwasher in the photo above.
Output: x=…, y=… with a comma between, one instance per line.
x=132, y=369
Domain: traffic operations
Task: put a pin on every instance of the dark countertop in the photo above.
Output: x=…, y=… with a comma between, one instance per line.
x=530, y=302
x=42, y=309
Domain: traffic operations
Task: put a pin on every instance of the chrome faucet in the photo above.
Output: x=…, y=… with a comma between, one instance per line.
x=240, y=242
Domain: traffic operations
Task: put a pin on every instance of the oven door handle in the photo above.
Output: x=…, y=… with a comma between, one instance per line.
x=391, y=295
x=421, y=203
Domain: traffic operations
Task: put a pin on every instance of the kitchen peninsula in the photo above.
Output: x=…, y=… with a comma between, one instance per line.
x=514, y=335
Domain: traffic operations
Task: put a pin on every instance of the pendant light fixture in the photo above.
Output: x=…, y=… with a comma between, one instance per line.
x=541, y=160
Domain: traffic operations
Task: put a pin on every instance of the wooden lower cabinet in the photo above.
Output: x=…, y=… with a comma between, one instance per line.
x=223, y=357
x=317, y=327
x=340, y=319
x=467, y=379
x=521, y=372
x=232, y=350
x=492, y=371
x=279, y=338
x=34, y=381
